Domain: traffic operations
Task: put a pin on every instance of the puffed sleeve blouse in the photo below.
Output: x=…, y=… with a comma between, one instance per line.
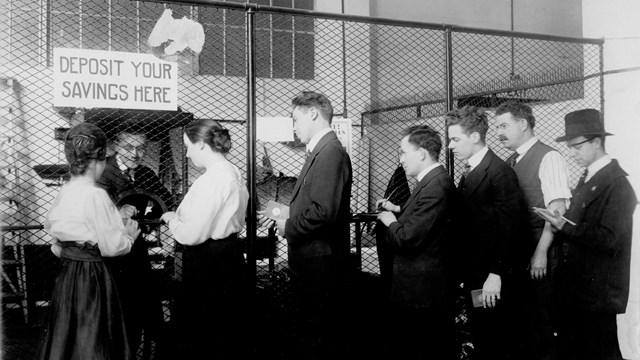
x=214, y=207
x=82, y=213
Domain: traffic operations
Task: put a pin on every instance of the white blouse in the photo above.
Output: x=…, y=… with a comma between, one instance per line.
x=83, y=212
x=214, y=207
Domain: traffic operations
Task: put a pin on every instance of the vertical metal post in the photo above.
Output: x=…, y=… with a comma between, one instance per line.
x=601, y=68
x=448, y=79
x=251, y=143
x=344, y=68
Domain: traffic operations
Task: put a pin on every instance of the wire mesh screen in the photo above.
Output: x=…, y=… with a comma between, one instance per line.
x=383, y=77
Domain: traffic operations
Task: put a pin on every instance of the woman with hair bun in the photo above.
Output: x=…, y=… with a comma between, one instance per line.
x=85, y=320
x=206, y=316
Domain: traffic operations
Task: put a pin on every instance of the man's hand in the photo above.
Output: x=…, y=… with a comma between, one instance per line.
x=264, y=221
x=384, y=204
x=386, y=217
x=554, y=218
x=538, y=265
x=127, y=212
x=491, y=290
x=280, y=224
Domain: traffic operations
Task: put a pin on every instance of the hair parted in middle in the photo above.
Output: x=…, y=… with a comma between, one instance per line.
x=83, y=143
x=471, y=119
x=209, y=132
x=309, y=99
x=426, y=137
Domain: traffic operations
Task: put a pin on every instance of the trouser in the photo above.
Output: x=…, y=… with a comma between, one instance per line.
x=587, y=335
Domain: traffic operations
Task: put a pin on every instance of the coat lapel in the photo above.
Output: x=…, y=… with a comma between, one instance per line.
x=307, y=165
x=478, y=174
x=422, y=183
x=592, y=189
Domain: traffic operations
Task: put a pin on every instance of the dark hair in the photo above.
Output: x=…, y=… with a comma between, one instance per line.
x=310, y=99
x=209, y=132
x=518, y=110
x=471, y=119
x=83, y=143
x=425, y=137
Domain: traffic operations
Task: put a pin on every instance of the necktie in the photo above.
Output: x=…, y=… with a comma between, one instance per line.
x=583, y=177
x=129, y=174
x=512, y=159
x=465, y=172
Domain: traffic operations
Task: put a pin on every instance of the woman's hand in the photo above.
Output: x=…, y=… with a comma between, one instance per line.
x=131, y=228
x=127, y=212
x=168, y=216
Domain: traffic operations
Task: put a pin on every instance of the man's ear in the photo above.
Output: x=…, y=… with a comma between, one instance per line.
x=313, y=113
x=475, y=136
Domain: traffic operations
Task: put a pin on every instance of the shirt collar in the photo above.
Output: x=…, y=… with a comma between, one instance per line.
x=316, y=138
x=597, y=166
x=476, y=158
x=526, y=146
x=424, y=172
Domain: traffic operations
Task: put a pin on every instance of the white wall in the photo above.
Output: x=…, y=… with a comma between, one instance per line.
x=617, y=22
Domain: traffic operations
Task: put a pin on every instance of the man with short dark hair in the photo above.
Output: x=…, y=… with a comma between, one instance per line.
x=593, y=279
x=543, y=178
x=491, y=227
x=421, y=322
x=317, y=230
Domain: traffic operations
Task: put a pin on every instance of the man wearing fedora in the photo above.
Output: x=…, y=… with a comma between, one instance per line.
x=593, y=278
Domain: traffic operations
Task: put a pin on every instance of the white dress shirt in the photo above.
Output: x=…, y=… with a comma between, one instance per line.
x=553, y=174
x=316, y=138
x=476, y=158
x=83, y=212
x=424, y=172
x=214, y=207
x=597, y=166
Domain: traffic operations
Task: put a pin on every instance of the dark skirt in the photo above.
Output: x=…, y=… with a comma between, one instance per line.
x=85, y=320
x=207, y=318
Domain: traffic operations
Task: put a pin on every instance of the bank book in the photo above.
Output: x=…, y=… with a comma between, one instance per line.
x=276, y=211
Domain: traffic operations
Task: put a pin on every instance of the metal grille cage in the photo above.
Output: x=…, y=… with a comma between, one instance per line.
x=382, y=75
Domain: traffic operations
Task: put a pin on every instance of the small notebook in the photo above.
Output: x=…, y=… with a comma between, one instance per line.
x=276, y=211
x=476, y=298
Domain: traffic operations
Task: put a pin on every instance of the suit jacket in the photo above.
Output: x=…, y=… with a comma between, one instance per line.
x=595, y=273
x=493, y=225
x=115, y=182
x=317, y=230
x=419, y=242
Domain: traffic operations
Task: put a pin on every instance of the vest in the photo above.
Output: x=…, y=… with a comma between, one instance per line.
x=528, y=171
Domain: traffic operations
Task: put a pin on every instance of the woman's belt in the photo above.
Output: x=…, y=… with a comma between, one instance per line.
x=80, y=251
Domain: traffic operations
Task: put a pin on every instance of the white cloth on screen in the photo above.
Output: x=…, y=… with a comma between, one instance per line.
x=83, y=212
x=553, y=174
x=214, y=207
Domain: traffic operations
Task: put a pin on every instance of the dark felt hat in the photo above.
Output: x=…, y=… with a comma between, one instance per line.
x=582, y=123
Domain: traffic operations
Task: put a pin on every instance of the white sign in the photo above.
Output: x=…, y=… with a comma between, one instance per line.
x=111, y=79
x=342, y=128
x=274, y=129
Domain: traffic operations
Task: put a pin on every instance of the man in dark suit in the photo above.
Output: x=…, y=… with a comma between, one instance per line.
x=543, y=178
x=593, y=279
x=421, y=321
x=123, y=172
x=492, y=219
x=317, y=231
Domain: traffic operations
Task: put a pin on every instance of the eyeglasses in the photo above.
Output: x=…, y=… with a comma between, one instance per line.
x=130, y=147
x=575, y=146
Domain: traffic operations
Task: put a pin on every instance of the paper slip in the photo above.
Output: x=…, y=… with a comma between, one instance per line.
x=276, y=211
